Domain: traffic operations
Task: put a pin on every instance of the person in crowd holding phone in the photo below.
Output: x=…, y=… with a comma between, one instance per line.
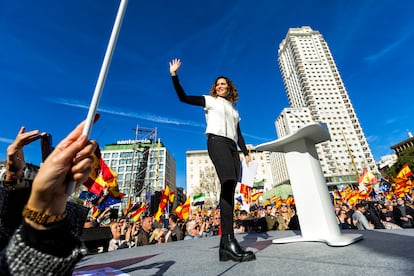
x=48, y=240
x=15, y=190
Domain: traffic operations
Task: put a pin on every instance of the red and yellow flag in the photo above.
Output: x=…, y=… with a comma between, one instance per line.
x=278, y=202
x=102, y=178
x=367, y=177
x=353, y=197
x=165, y=195
x=137, y=214
x=405, y=172
x=255, y=196
x=129, y=205
x=403, y=183
x=183, y=210
x=171, y=197
x=290, y=200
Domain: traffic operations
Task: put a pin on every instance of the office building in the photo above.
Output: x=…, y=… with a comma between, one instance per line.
x=142, y=166
x=404, y=145
x=316, y=92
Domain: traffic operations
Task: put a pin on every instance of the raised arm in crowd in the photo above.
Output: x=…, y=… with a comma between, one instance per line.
x=39, y=228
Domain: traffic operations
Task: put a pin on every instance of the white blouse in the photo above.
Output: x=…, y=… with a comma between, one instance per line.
x=221, y=117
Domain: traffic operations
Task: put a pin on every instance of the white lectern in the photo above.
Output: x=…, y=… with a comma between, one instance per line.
x=314, y=207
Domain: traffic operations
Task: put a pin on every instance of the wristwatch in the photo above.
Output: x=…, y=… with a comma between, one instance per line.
x=41, y=218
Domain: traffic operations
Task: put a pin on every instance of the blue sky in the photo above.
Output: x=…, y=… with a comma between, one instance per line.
x=51, y=53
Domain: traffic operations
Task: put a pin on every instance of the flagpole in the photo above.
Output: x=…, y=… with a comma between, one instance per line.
x=102, y=76
x=351, y=155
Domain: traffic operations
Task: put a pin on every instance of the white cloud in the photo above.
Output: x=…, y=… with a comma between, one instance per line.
x=387, y=49
x=6, y=140
x=125, y=113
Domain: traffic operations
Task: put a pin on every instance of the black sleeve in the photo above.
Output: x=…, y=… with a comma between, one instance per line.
x=61, y=240
x=240, y=141
x=56, y=241
x=194, y=100
x=11, y=207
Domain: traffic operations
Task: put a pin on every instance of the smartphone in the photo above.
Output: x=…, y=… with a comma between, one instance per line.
x=113, y=214
x=46, y=145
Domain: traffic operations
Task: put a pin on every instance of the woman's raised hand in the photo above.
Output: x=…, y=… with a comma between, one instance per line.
x=174, y=66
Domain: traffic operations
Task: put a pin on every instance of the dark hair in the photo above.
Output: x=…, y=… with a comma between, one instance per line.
x=232, y=96
x=360, y=205
x=173, y=217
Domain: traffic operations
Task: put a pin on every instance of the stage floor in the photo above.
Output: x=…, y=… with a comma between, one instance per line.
x=379, y=253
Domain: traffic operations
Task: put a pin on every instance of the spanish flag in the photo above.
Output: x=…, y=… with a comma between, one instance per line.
x=278, y=202
x=129, y=205
x=183, y=210
x=255, y=196
x=367, y=177
x=137, y=214
x=171, y=197
x=290, y=200
x=165, y=194
x=102, y=178
x=405, y=172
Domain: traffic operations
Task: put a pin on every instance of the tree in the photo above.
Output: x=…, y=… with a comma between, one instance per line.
x=209, y=185
x=406, y=157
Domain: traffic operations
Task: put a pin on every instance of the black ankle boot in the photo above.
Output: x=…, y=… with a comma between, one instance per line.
x=231, y=250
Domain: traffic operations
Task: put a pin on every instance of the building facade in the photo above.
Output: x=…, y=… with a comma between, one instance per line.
x=202, y=177
x=142, y=166
x=316, y=92
x=386, y=162
x=30, y=171
x=403, y=145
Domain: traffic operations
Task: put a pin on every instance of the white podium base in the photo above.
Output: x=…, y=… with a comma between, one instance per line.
x=314, y=206
x=342, y=240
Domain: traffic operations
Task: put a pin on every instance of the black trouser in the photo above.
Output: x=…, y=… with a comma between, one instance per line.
x=225, y=157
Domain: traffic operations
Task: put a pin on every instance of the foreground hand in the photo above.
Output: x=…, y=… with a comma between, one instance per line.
x=175, y=64
x=15, y=155
x=70, y=160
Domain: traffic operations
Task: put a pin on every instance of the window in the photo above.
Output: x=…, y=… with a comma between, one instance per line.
x=126, y=154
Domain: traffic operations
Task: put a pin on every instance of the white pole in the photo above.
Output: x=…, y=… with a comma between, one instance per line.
x=102, y=76
x=104, y=69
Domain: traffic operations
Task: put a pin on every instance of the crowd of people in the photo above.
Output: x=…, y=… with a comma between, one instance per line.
x=41, y=227
x=382, y=214
x=365, y=215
